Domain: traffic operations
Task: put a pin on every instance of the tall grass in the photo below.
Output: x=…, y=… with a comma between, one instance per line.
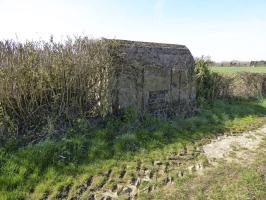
x=47, y=83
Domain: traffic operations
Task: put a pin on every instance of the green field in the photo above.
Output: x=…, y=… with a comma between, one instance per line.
x=238, y=69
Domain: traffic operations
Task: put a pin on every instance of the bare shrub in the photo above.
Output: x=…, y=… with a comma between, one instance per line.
x=43, y=81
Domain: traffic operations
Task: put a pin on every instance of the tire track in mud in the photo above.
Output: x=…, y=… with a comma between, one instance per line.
x=128, y=182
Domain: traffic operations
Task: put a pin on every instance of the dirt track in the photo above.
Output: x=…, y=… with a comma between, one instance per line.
x=236, y=147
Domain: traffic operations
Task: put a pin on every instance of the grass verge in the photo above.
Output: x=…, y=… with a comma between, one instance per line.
x=85, y=150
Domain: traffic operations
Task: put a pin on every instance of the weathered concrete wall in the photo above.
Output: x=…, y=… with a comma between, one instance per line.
x=155, y=78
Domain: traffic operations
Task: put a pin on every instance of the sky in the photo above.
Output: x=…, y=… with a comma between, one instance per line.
x=222, y=29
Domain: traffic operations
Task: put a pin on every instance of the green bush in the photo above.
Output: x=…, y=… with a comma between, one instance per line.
x=204, y=82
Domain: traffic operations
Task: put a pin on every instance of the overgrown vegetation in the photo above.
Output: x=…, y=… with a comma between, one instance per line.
x=204, y=82
x=87, y=149
x=44, y=86
x=211, y=85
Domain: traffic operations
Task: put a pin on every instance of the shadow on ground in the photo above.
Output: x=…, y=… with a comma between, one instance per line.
x=86, y=149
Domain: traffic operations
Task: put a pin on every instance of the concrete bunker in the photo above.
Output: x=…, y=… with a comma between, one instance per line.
x=154, y=78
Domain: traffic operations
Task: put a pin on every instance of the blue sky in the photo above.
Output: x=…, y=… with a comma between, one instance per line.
x=222, y=29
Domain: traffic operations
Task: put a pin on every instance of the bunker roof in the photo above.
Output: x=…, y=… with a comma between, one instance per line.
x=155, y=54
